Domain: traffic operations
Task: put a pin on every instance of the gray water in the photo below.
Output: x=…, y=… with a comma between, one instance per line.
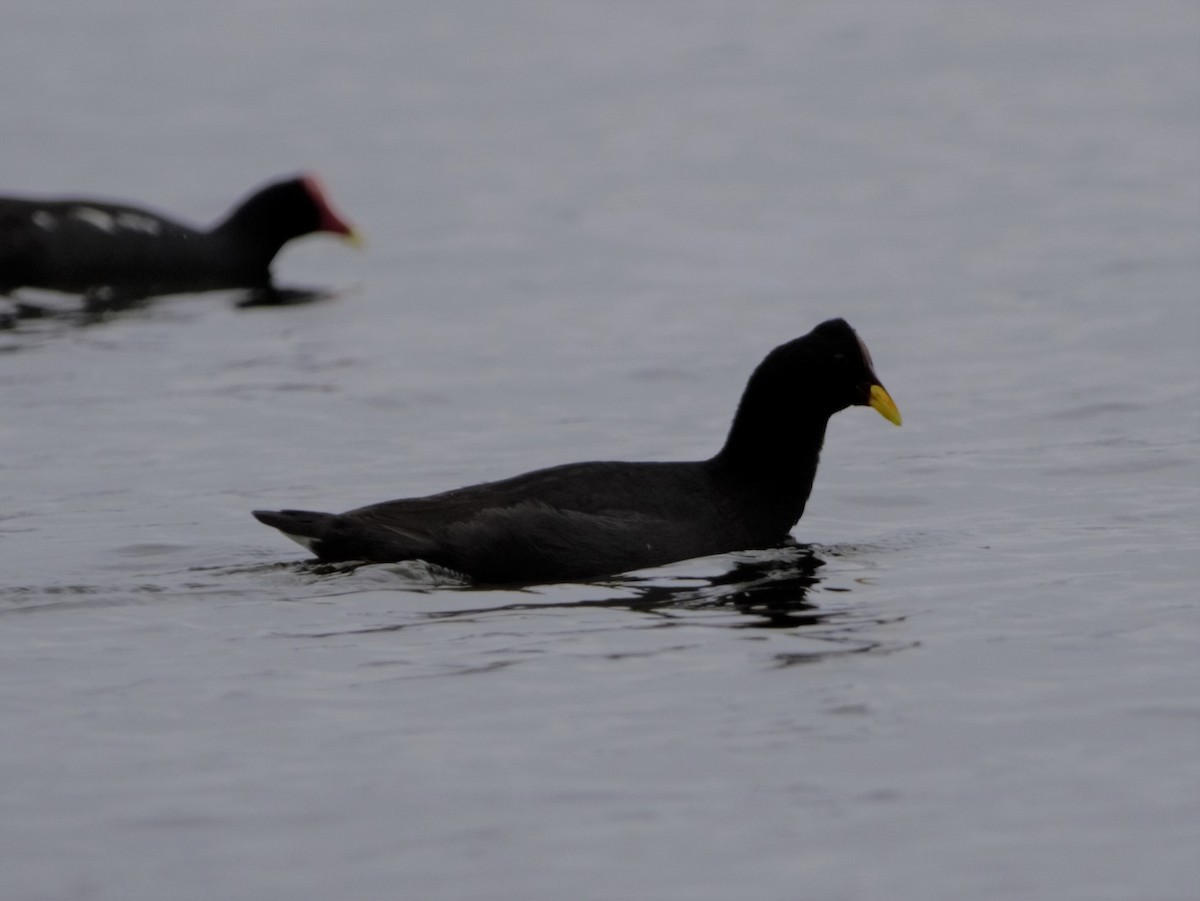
x=976, y=678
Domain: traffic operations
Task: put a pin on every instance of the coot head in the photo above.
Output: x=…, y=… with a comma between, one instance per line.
x=825, y=371
x=289, y=209
x=850, y=378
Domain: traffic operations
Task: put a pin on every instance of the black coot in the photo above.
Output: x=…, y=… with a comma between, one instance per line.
x=586, y=520
x=114, y=252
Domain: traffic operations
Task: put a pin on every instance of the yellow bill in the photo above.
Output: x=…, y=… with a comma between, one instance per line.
x=354, y=238
x=882, y=401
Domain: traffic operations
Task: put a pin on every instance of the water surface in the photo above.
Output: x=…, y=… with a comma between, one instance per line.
x=975, y=676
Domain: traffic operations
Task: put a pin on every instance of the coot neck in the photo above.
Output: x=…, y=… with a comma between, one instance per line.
x=260, y=226
x=776, y=436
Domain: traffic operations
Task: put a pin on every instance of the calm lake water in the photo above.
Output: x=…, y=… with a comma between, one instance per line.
x=977, y=678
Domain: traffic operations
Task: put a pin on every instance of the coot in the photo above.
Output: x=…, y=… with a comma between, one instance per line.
x=587, y=520
x=114, y=252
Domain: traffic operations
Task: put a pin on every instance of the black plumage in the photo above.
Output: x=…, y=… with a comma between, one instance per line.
x=113, y=251
x=586, y=520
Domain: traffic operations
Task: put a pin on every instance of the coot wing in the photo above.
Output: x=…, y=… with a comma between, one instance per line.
x=533, y=542
x=79, y=246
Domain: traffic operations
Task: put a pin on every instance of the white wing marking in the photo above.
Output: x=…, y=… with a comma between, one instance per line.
x=94, y=217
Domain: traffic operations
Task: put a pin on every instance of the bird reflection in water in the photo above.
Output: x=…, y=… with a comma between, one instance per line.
x=20, y=316
x=762, y=590
x=772, y=588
